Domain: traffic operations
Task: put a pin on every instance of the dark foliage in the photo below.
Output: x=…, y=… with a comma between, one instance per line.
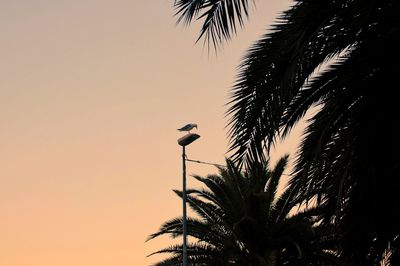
x=341, y=56
x=241, y=221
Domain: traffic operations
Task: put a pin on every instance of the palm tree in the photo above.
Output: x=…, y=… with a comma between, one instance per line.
x=349, y=158
x=241, y=220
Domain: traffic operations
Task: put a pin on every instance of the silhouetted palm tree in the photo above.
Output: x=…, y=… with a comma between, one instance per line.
x=349, y=158
x=241, y=221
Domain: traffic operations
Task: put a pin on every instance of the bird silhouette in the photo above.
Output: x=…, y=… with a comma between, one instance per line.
x=188, y=127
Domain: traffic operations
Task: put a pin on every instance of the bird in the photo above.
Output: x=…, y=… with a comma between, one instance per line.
x=188, y=127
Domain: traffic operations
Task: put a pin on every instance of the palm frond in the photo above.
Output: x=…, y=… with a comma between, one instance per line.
x=221, y=17
x=276, y=68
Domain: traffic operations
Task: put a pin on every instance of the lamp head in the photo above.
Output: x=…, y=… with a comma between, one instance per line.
x=187, y=139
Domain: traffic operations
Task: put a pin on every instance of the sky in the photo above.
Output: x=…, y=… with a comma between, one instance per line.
x=91, y=95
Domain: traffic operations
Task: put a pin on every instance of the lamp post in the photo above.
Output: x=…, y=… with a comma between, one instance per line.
x=184, y=141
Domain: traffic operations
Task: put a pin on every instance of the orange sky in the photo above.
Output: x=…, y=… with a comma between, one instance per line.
x=91, y=94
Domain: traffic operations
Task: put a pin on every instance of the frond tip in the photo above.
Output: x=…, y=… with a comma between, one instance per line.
x=221, y=18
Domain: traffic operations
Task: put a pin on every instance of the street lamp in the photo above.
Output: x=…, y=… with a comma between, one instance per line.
x=184, y=141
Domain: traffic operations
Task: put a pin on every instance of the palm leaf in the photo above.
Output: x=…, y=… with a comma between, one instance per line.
x=221, y=17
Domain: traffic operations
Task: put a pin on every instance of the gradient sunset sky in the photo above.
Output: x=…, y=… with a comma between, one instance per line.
x=91, y=95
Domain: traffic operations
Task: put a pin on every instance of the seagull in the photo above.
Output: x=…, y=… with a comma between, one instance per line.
x=188, y=127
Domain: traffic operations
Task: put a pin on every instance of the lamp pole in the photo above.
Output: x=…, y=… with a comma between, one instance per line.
x=184, y=141
x=184, y=251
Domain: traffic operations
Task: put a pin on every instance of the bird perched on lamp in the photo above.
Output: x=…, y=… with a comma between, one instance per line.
x=188, y=127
